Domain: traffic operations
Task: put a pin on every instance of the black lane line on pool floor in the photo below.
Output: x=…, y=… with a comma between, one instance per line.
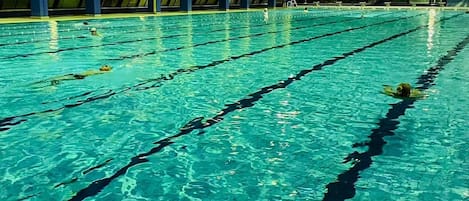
x=147, y=39
x=344, y=187
x=157, y=82
x=196, y=124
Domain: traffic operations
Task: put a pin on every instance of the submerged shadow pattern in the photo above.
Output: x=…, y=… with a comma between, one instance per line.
x=198, y=124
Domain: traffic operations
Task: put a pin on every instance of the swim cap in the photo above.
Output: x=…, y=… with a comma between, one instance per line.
x=105, y=68
x=93, y=29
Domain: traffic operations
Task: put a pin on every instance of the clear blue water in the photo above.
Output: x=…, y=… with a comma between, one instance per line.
x=288, y=145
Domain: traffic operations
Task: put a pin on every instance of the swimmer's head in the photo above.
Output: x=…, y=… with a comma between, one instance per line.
x=403, y=90
x=105, y=68
x=93, y=30
x=265, y=9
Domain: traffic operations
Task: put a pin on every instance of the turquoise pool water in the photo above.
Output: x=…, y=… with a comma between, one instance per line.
x=229, y=107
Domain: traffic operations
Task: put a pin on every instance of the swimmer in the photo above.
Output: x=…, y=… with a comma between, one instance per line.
x=266, y=15
x=94, y=32
x=56, y=80
x=305, y=10
x=403, y=91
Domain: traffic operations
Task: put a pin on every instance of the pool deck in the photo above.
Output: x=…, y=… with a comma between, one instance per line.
x=125, y=15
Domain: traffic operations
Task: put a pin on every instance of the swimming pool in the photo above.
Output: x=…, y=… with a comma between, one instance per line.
x=228, y=107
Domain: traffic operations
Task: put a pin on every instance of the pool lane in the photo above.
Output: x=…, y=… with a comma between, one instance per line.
x=344, y=187
x=18, y=78
x=199, y=123
x=204, y=31
x=236, y=38
x=7, y=122
x=115, y=30
x=146, y=27
x=77, y=26
x=214, y=42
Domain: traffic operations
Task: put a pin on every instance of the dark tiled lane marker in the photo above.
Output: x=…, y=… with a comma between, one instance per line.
x=139, y=40
x=157, y=82
x=344, y=187
x=198, y=124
